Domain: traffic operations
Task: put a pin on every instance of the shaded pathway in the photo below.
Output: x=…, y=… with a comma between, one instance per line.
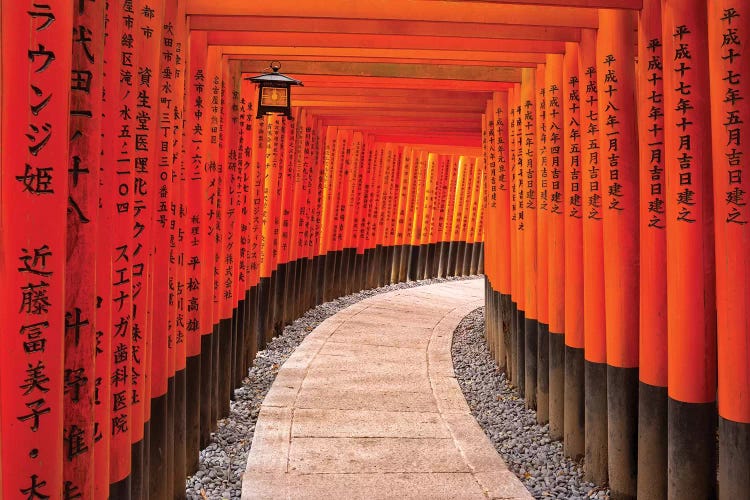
x=368, y=407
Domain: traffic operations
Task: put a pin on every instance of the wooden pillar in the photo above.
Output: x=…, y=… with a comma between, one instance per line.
x=501, y=198
x=35, y=92
x=573, y=187
x=80, y=382
x=513, y=230
x=594, y=325
x=555, y=246
x=150, y=352
x=691, y=306
x=652, y=392
x=727, y=34
x=521, y=192
x=542, y=180
x=528, y=175
x=619, y=153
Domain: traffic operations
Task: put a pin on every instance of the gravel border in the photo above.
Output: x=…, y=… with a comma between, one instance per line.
x=524, y=445
x=222, y=463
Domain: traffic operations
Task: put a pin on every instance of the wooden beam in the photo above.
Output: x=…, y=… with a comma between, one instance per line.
x=401, y=55
x=399, y=42
x=370, y=82
x=424, y=10
x=299, y=69
x=308, y=90
x=264, y=24
x=388, y=60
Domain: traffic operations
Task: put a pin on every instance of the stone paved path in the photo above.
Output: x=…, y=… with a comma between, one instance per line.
x=368, y=407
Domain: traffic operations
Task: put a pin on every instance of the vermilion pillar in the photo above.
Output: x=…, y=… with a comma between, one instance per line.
x=594, y=327
x=574, y=174
x=79, y=375
x=119, y=150
x=501, y=199
x=521, y=193
x=542, y=179
x=528, y=167
x=555, y=246
x=513, y=224
x=35, y=91
x=198, y=353
x=619, y=156
x=151, y=347
x=691, y=306
x=730, y=70
x=652, y=405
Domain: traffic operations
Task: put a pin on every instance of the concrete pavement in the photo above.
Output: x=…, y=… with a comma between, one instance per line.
x=367, y=407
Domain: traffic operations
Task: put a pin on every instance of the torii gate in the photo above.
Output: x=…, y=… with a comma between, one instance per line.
x=155, y=234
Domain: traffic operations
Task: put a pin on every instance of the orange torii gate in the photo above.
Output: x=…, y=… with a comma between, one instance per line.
x=585, y=155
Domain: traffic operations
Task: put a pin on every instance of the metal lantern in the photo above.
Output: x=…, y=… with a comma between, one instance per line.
x=274, y=95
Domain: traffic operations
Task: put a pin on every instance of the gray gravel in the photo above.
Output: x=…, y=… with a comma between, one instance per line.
x=524, y=445
x=222, y=462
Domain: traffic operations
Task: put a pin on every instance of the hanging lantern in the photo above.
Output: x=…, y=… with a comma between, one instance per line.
x=275, y=96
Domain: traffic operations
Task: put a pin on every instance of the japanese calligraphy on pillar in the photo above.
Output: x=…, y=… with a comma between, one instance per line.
x=80, y=295
x=729, y=68
x=734, y=203
x=655, y=127
x=590, y=138
x=36, y=67
x=685, y=126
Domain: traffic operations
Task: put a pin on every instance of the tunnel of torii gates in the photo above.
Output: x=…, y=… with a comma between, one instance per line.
x=585, y=155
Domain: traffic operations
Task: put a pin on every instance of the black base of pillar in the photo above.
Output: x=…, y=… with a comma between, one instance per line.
x=557, y=385
x=734, y=459
x=192, y=413
x=652, y=442
x=137, y=481
x=521, y=351
x=224, y=365
x=574, y=413
x=622, y=430
x=691, y=450
x=157, y=487
x=542, y=374
x=120, y=490
x=531, y=327
x=205, y=390
x=595, y=467
x=179, y=464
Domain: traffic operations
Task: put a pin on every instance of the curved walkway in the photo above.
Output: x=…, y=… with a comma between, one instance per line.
x=368, y=407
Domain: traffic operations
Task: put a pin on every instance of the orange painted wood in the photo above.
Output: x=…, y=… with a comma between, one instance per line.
x=420, y=194
x=691, y=288
x=556, y=144
x=594, y=325
x=379, y=44
x=414, y=27
x=528, y=167
x=119, y=150
x=500, y=196
x=513, y=195
x=84, y=131
x=328, y=186
x=145, y=380
x=179, y=242
x=109, y=236
x=424, y=10
x=653, y=261
x=542, y=179
x=35, y=91
x=618, y=125
x=576, y=140
x=731, y=216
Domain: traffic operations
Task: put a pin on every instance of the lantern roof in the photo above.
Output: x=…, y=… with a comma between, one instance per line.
x=275, y=77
